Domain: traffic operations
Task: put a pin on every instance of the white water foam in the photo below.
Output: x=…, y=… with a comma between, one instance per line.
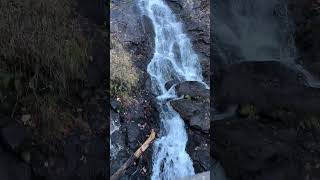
x=173, y=59
x=259, y=30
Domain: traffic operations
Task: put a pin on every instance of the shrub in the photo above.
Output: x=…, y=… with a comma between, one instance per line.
x=123, y=75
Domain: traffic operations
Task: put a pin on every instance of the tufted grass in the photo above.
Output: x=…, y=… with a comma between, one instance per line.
x=42, y=52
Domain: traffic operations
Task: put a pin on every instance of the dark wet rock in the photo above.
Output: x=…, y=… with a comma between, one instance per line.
x=195, y=113
x=133, y=30
x=169, y=84
x=199, y=150
x=228, y=113
x=11, y=168
x=259, y=149
x=133, y=133
x=136, y=112
x=193, y=89
x=194, y=108
x=4, y=120
x=266, y=85
x=307, y=33
x=115, y=118
x=270, y=150
x=114, y=104
x=14, y=135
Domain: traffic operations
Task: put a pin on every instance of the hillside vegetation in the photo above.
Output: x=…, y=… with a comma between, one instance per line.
x=42, y=54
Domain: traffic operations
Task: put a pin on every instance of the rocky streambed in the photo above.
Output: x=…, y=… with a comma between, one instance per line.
x=265, y=121
x=134, y=33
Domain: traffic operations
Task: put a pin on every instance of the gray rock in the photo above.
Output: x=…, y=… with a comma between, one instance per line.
x=196, y=113
x=193, y=89
x=114, y=104
x=133, y=133
x=195, y=108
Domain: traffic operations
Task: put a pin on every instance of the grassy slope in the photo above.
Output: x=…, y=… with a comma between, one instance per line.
x=42, y=54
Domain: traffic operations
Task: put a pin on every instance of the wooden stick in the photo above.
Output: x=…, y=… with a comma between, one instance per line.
x=134, y=157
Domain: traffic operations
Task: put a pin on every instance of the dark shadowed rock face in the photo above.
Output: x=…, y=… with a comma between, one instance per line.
x=273, y=138
x=11, y=168
x=306, y=16
x=14, y=135
x=265, y=148
x=267, y=85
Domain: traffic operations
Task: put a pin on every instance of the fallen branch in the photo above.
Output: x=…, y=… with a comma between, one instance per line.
x=134, y=157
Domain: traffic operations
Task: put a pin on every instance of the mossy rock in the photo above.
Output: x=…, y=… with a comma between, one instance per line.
x=247, y=111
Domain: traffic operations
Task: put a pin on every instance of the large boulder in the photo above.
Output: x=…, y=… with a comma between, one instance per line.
x=193, y=89
x=195, y=113
x=266, y=84
x=195, y=106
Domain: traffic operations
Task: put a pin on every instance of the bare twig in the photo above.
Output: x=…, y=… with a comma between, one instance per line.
x=133, y=157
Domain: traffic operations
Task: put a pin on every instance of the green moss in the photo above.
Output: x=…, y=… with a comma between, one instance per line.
x=248, y=110
x=188, y=97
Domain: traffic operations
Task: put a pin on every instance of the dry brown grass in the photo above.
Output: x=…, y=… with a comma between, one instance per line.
x=40, y=41
x=123, y=74
x=42, y=51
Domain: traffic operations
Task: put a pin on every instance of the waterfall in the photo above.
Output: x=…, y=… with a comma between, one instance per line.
x=258, y=30
x=173, y=59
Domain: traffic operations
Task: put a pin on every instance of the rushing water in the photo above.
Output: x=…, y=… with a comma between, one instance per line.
x=258, y=30
x=173, y=59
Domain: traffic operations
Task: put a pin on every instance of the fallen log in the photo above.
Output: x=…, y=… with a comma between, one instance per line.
x=134, y=157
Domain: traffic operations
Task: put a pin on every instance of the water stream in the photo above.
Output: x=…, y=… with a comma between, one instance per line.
x=173, y=59
x=258, y=30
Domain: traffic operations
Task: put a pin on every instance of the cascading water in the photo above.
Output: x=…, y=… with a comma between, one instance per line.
x=258, y=30
x=173, y=59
